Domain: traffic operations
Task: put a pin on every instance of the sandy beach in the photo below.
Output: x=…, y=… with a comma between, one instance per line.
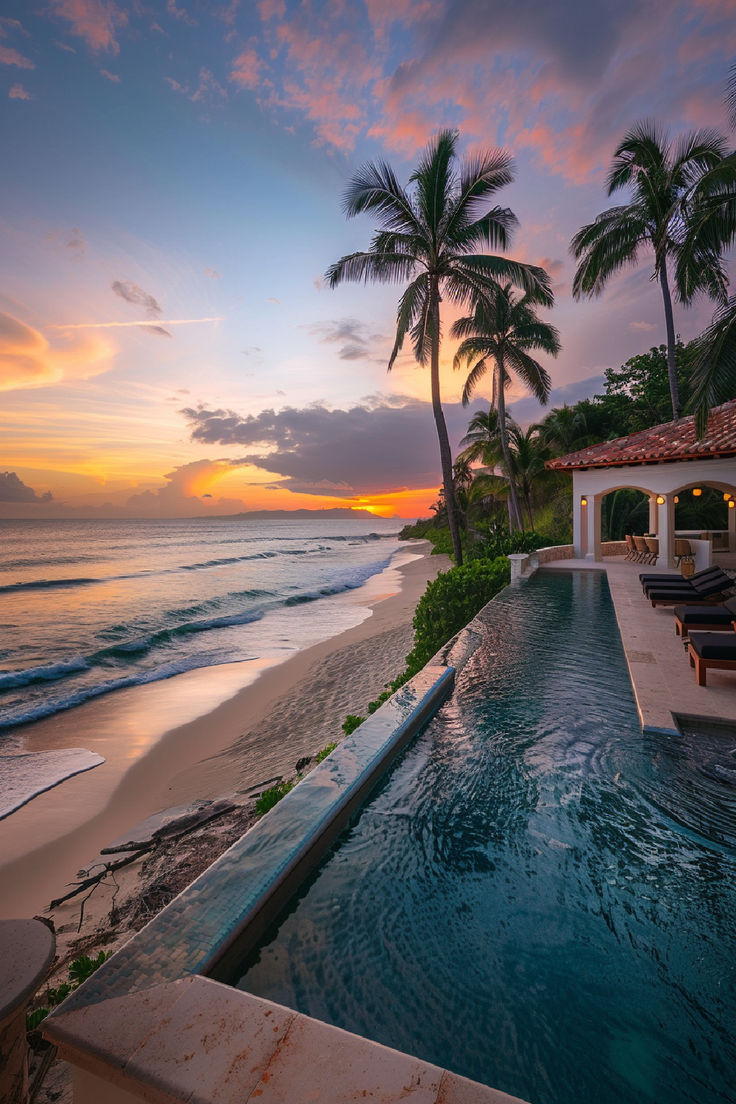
x=203, y=734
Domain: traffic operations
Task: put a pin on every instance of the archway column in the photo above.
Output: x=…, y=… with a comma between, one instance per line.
x=665, y=529
x=593, y=541
x=732, y=530
x=653, y=515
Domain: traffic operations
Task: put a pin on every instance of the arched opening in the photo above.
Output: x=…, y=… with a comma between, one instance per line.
x=704, y=512
x=624, y=510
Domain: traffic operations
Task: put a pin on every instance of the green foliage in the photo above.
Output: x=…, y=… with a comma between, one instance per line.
x=637, y=394
x=272, y=796
x=351, y=722
x=417, y=531
x=496, y=541
x=450, y=601
x=331, y=747
x=79, y=970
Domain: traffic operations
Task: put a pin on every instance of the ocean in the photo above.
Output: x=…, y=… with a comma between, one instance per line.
x=89, y=607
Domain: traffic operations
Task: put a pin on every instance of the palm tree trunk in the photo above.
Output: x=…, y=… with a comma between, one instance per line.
x=439, y=419
x=515, y=521
x=670, y=324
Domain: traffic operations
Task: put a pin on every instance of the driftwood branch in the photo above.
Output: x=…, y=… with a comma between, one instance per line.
x=107, y=868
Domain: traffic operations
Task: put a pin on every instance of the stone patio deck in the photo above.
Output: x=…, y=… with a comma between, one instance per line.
x=663, y=680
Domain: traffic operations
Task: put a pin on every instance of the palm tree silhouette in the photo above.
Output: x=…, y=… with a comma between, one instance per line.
x=428, y=235
x=663, y=176
x=500, y=330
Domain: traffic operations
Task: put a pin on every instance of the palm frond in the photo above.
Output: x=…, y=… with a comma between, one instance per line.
x=532, y=279
x=641, y=152
x=433, y=178
x=410, y=305
x=480, y=177
x=382, y=267
x=530, y=371
x=422, y=332
x=714, y=368
x=731, y=96
x=374, y=188
x=475, y=375
x=491, y=231
x=606, y=245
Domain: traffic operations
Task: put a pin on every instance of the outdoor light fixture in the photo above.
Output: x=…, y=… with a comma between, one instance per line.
x=677, y=499
x=731, y=504
x=660, y=500
x=726, y=496
x=583, y=501
x=697, y=492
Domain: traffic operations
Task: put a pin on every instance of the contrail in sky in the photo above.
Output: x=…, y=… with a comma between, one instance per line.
x=147, y=322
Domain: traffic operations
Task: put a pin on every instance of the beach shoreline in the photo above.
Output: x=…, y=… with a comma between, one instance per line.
x=200, y=735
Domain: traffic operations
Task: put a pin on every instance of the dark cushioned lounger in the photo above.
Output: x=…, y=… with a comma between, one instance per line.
x=715, y=618
x=677, y=577
x=704, y=595
x=700, y=587
x=711, y=649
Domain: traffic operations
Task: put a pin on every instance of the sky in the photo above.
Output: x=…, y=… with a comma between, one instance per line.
x=172, y=181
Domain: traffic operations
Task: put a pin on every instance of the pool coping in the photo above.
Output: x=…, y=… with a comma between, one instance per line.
x=137, y=1029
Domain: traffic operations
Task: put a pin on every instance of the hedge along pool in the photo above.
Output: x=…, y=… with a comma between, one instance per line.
x=539, y=896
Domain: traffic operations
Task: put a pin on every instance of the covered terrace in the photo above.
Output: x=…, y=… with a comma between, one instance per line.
x=663, y=462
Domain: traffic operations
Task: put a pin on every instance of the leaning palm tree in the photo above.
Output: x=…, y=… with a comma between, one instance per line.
x=499, y=332
x=662, y=176
x=432, y=235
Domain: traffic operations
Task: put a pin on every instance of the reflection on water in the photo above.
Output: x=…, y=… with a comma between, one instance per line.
x=539, y=897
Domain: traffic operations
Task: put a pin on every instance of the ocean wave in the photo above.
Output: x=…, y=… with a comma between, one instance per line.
x=43, y=584
x=12, y=680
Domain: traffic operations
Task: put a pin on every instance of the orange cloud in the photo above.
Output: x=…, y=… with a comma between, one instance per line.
x=93, y=20
x=28, y=360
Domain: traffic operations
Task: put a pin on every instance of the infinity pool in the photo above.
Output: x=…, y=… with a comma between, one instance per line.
x=538, y=897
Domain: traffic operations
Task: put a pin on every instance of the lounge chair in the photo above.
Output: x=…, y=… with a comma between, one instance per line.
x=709, y=618
x=688, y=586
x=711, y=650
x=706, y=593
x=676, y=577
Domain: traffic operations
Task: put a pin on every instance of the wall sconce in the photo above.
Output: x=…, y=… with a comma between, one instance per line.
x=731, y=504
x=660, y=500
x=583, y=501
x=697, y=492
x=677, y=499
x=726, y=496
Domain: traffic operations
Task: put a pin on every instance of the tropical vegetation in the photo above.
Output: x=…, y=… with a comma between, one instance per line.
x=433, y=234
x=669, y=193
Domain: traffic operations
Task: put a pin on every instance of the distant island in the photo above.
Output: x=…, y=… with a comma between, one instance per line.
x=286, y=515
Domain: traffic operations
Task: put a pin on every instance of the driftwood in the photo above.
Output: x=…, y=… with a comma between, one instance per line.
x=95, y=879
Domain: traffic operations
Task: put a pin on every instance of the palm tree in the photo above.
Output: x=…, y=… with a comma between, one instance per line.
x=564, y=429
x=662, y=176
x=714, y=366
x=428, y=235
x=501, y=329
x=482, y=440
x=527, y=462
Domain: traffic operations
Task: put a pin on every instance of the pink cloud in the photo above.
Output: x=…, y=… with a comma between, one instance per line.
x=18, y=92
x=28, y=360
x=110, y=76
x=272, y=9
x=93, y=20
x=247, y=69
x=8, y=56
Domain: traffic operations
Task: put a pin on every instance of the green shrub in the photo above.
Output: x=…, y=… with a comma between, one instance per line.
x=451, y=600
x=496, y=541
x=272, y=796
x=79, y=970
x=351, y=722
x=331, y=747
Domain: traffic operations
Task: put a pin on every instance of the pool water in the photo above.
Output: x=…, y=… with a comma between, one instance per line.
x=538, y=897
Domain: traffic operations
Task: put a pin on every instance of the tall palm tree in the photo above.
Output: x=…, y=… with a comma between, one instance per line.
x=500, y=330
x=662, y=176
x=432, y=235
x=714, y=366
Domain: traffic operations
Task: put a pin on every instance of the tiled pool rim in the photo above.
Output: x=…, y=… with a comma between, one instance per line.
x=99, y=1026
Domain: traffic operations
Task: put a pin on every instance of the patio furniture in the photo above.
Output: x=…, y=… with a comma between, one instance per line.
x=653, y=546
x=682, y=551
x=631, y=553
x=676, y=579
x=712, y=650
x=642, y=550
x=706, y=593
x=710, y=618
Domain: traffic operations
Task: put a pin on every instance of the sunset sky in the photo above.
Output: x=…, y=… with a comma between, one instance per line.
x=172, y=176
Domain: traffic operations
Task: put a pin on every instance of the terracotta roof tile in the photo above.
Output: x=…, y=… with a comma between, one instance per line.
x=660, y=444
